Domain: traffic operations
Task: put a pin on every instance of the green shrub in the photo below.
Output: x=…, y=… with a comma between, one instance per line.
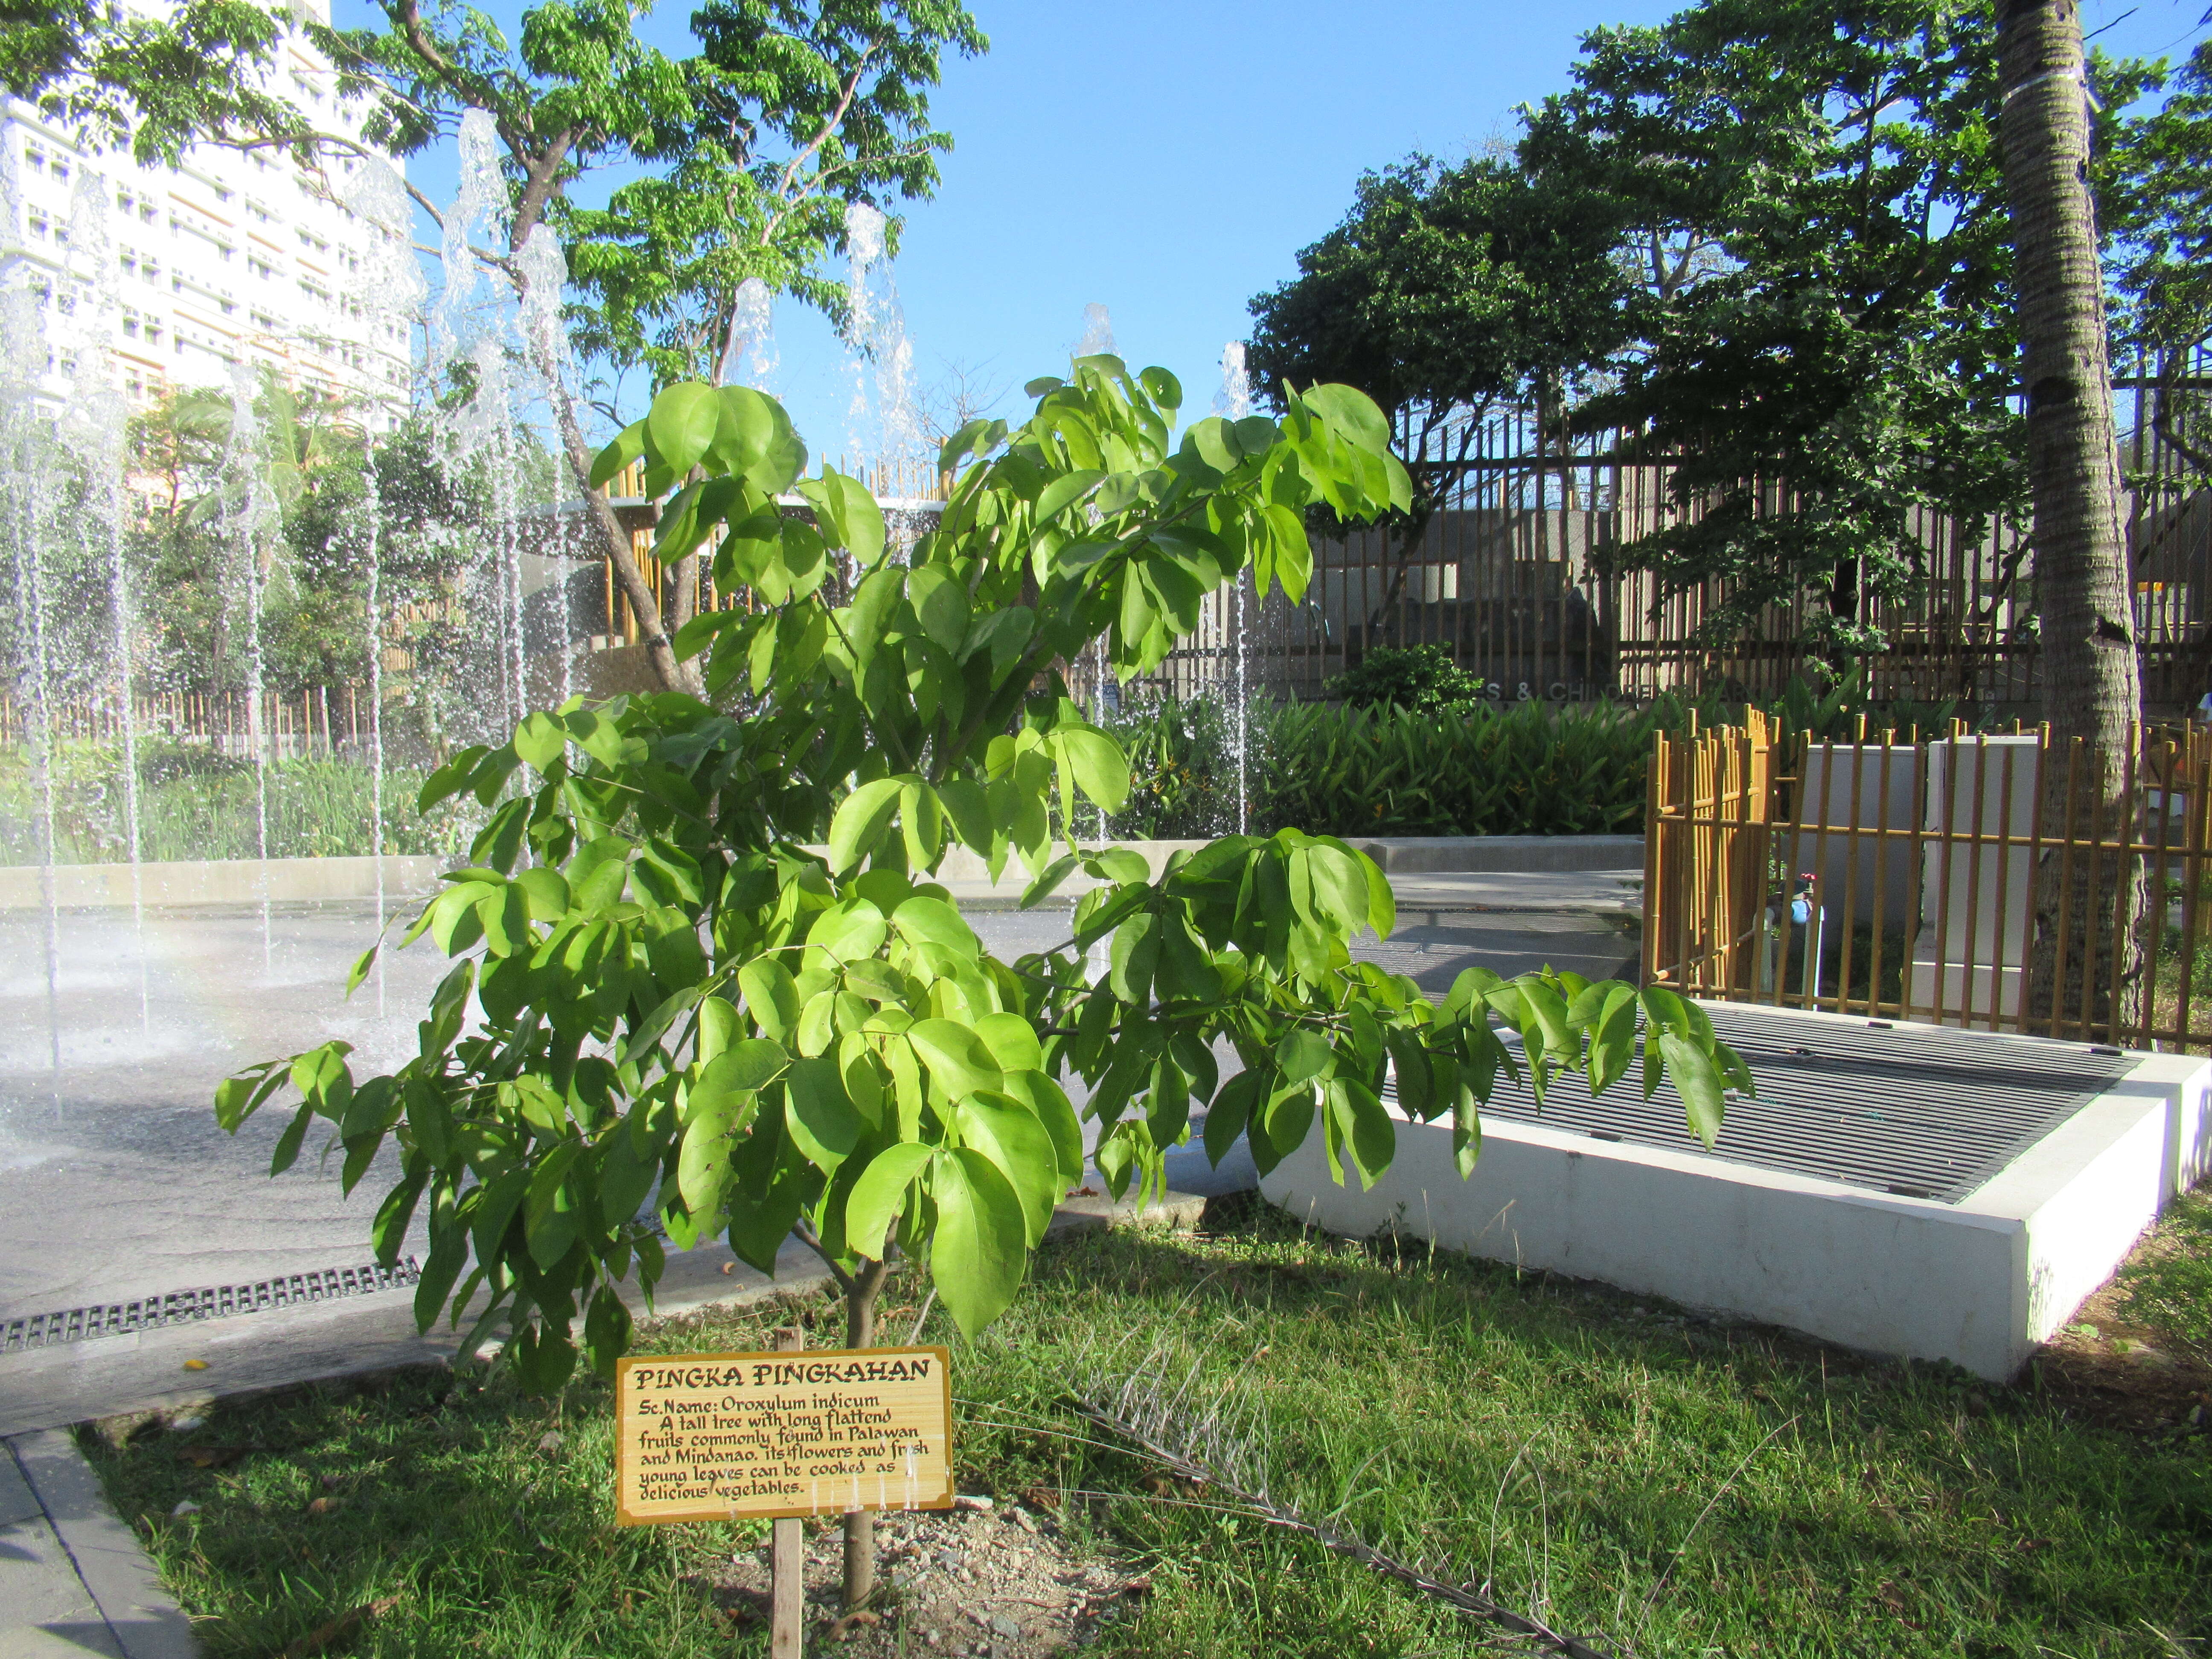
x=1491, y=770
x=1421, y=677
x=194, y=803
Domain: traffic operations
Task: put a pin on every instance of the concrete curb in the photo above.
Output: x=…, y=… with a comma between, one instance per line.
x=140, y=1618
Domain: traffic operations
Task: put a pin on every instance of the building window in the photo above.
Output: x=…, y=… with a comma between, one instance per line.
x=34, y=157
x=39, y=225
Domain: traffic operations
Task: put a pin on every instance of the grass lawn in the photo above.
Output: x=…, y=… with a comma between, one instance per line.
x=1685, y=1488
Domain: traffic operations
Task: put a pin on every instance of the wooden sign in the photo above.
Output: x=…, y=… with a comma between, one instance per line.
x=710, y=1436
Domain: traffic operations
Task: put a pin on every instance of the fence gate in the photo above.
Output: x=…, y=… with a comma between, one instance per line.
x=1937, y=881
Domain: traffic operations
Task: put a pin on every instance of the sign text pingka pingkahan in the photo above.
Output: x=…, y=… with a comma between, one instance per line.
x=819, y=1432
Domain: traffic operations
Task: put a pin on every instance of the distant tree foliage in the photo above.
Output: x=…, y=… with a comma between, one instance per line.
x=1768, y=243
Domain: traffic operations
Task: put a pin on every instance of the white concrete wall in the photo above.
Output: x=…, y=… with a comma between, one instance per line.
x=1853, y=786
x=1978, y=1283
x=1975, y=901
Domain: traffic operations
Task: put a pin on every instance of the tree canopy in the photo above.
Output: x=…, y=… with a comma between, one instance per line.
x=1779, y=261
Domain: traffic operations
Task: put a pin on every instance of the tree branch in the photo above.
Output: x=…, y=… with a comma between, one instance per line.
x=805, y=1235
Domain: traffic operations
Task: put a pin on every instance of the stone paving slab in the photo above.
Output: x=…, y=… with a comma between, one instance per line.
x=144, y=1619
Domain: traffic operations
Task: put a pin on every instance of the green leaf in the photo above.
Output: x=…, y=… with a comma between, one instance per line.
x=771, y=996
x=540, y=740
x=1012, y=1139
x=824, y=1124
x=1370, y=1137
x=940, y=601
x=702, y=1169
x=287, y=1152
x=957, y=1060
x=860, y=821
x=1135, y=954
x=361, y=967
x=650, y=1030
x=981, y=1248
x=1048, y=878
x=969, y=809
x=1012, y=1041
x=450, y=778
x=847, y=931
x=547, y=892
x=1045, y=1098
x=628, y=447
x=1613, y=1034
x=932, y=921
x=1226, y=1117
x=879, y=1195
x=550, y=1222
x=1691, y=1070
x=1068, y=488
x=681, y=426
x=1101, y=770
x=1302, y=1054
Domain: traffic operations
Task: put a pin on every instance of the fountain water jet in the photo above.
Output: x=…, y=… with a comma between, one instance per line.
x=882, y=428
x=749, y=356
x=1234, y=403
x=93, y=428
x=1096, y=339
x=252, y=518
x=390, y=292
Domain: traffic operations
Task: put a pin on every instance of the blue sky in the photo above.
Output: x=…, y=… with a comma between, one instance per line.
x=1169, y=160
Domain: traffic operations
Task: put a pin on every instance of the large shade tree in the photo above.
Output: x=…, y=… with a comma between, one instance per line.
x=750, y=149
x=2079, y=956
x=1445, y=294
x=1832, y=322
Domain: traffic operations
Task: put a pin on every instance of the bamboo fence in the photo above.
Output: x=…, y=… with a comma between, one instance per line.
x=1917, y=881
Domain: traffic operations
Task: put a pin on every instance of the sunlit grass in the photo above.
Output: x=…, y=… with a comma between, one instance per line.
x=1695, y=1488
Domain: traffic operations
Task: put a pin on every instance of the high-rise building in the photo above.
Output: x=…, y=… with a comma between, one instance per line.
x=231, y=256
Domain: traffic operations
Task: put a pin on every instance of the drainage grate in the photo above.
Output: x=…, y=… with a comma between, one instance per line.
x=1921, y=1110
x=216, y=1302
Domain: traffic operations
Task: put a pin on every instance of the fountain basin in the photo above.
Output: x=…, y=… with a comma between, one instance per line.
x=240, y=881
x=1892, y=1203
x=218, y=881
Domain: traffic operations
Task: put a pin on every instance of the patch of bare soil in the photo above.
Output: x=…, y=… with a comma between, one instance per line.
x=2105, y=1368
x=1007, y=1581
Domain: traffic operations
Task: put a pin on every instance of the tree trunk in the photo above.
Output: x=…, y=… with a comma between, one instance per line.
x=860, y=1524
x=659, y=640
x=2092, y=689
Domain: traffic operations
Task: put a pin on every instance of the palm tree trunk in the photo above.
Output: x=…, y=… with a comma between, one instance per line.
x=2091, y=680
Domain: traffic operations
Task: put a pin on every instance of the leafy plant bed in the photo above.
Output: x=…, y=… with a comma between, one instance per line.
x=1610, y=1464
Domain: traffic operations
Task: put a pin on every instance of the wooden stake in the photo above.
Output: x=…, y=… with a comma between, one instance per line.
x=787, y=1560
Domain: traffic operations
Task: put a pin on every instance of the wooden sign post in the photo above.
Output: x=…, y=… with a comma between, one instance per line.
x=791, y=1432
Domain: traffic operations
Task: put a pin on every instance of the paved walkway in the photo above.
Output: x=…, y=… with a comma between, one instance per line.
x=73, y=1580
x=1566, y=892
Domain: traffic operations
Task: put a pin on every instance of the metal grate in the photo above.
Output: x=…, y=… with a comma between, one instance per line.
x=1920, y=1110
x=216, y=1302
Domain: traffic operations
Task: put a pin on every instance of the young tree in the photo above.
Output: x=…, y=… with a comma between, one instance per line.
x=2085, y=600
x=675, y=1000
